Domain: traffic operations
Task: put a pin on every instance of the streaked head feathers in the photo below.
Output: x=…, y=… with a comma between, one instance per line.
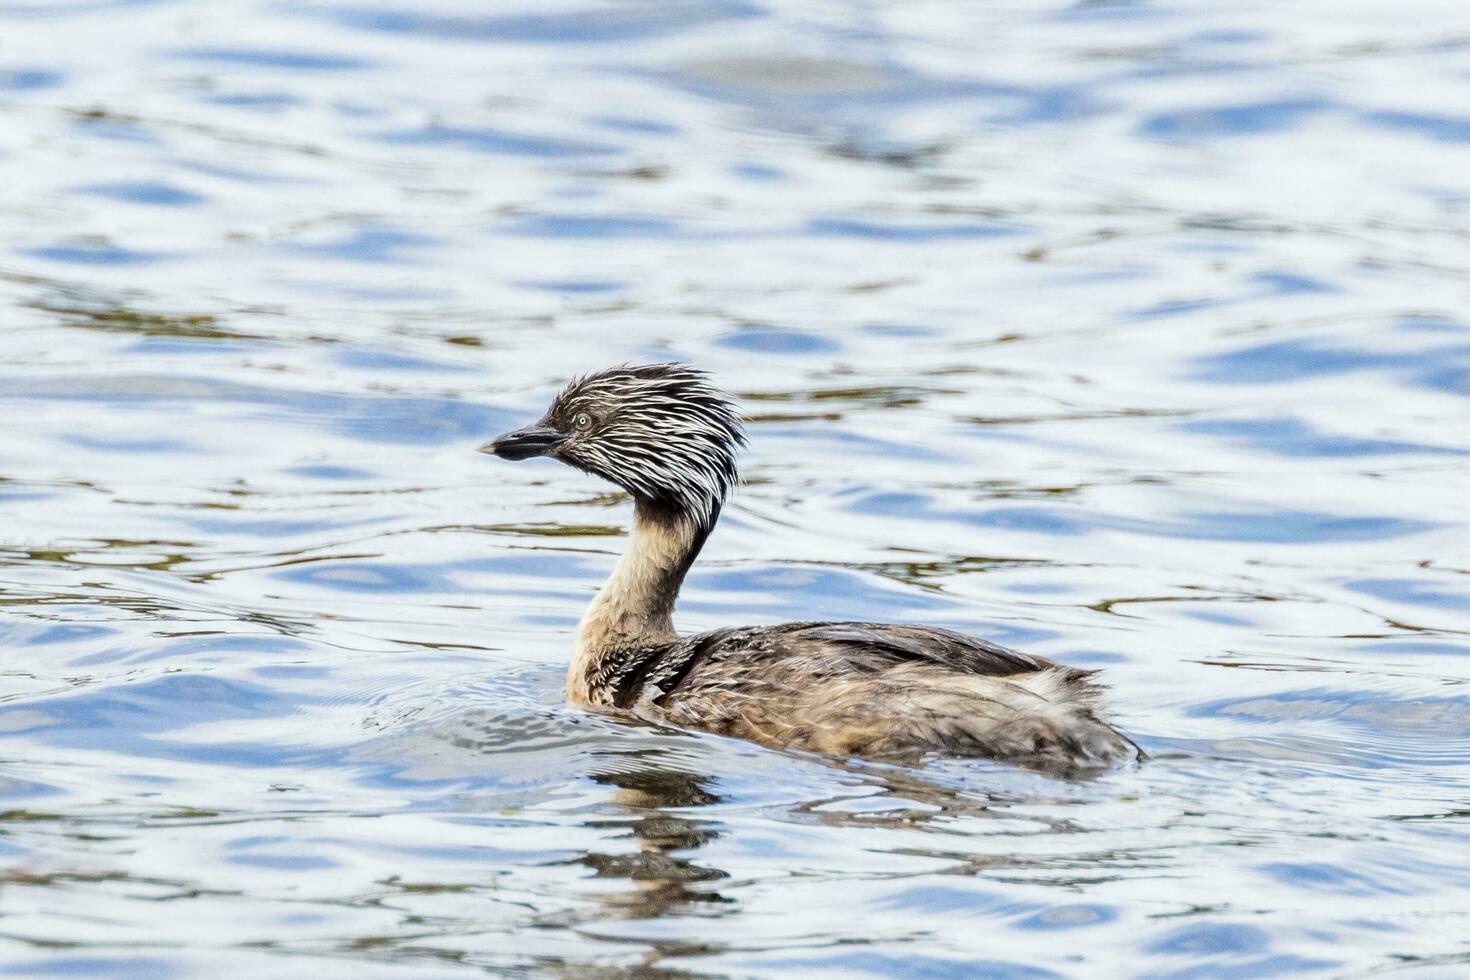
x=660, y=431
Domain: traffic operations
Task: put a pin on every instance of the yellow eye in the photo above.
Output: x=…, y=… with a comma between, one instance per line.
x=583, y=420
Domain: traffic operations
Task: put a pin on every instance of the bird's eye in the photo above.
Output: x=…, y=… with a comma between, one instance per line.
x=583, y=420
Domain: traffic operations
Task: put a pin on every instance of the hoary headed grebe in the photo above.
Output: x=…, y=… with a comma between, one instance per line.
x=669, y=438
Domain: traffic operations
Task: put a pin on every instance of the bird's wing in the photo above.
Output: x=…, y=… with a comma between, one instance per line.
x=835, y=649
x=927, y=644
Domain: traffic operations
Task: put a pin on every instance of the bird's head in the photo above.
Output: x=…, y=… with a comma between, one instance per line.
x=662, y=432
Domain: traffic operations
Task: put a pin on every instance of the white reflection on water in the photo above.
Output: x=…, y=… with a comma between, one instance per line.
x=1133, y=334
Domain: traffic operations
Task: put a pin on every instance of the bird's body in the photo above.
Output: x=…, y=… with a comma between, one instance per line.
x=849, y=689
x=869, y=689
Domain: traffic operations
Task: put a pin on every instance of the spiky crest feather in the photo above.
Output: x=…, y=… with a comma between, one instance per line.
x=660, y=431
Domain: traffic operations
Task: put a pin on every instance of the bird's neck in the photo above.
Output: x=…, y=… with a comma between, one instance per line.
x=632, y=614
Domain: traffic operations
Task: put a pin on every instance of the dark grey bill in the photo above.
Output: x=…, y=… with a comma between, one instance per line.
x=534, y=440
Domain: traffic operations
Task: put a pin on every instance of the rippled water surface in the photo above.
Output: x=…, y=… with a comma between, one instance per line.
x=1133, y=334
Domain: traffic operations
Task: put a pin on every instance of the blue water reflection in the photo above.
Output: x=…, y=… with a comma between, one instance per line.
x=26, y=79
x=628, y=22
x=270, y=58
x=1293, y=437
x=496, y=141
x=143, y=192
x=1233, y=120
x=1449, y=129
x=1299, y=527
x=96, y=253
x=1289, y=360
x=379, y=245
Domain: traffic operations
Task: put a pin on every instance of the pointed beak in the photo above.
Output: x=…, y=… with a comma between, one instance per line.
x=533, y=440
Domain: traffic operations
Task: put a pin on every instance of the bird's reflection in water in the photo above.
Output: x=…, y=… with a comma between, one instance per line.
x=663, y=880
x=942, y=801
